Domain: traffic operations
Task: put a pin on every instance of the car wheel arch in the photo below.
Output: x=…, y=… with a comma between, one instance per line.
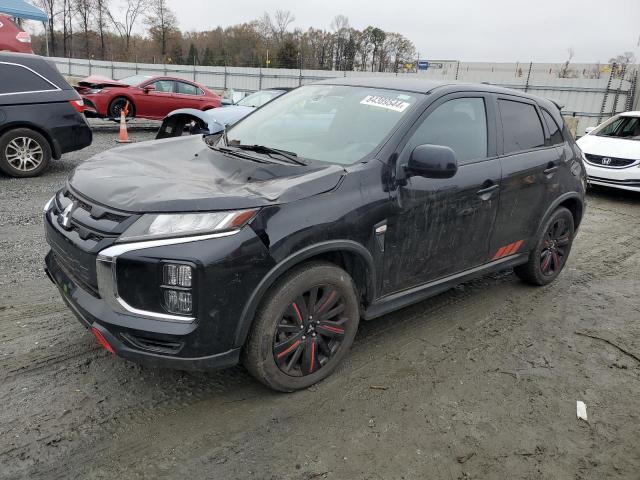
x=118, y=97
x=572, y=201
x=352, y=256
x=56, y=152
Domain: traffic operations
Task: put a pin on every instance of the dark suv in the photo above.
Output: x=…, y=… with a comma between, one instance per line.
x=40, y=115
x=340, y=200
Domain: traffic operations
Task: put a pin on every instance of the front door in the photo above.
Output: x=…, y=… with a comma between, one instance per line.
x=155, y=103
x=443, y=226
x=530, y=172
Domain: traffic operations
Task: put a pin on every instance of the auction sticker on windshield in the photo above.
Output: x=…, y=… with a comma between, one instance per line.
x=385, y=102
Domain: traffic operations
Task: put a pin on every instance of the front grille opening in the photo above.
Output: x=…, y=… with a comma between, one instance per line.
x=153, y=344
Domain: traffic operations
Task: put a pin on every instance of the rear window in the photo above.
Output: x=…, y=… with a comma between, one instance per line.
x=521, y=126
x=188, y=89
x=555, y=135
x=18, y=79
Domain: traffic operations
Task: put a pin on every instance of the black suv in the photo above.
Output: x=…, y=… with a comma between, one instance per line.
x=340, y=200
x=40, y=115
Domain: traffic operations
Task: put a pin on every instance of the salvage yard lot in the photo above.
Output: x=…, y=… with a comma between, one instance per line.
x=479, y=382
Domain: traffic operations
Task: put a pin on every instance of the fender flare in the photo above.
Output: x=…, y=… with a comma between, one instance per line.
x=556, y=203
x=250, y=307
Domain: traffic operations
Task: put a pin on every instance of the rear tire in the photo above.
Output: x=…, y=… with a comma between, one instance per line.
x=297, y=338
x=551, y=251
x=24, y=153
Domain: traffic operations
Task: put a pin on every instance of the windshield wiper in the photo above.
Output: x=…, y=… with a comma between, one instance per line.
x=290, y=156
x=234, y=151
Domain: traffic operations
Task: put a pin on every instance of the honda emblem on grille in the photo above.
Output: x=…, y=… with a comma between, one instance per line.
x=606, y=161
x=65, y=216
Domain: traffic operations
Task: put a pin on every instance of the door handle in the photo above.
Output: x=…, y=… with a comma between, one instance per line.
x=550, y=170
x=488, y=190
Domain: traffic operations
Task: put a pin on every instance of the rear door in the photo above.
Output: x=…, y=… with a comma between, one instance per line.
x=439, y=227
x=155, y=103
x=188, y=95
x=530, y=165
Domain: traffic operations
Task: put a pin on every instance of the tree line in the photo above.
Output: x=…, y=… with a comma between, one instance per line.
x=147, y=31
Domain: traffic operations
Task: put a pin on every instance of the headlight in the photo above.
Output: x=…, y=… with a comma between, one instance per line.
x=47, y=205
x=93, y=91
x=186, y=224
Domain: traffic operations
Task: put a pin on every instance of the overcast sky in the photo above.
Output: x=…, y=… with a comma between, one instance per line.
x=471, y=30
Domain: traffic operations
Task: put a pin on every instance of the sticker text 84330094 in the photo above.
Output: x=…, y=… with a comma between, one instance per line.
x=385, y=102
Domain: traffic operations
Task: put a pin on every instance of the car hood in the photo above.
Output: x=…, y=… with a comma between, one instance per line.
x=184, y=174
x=610, y=147
x=98, y=81
x=227, y=115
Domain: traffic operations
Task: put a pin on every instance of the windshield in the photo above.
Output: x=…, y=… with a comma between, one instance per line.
x=621, y=127
x=134, y=79
x=258, y=99
x=330, y=123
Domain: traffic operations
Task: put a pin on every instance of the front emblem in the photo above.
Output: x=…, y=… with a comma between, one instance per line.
x=65, y=216
x=606, y=161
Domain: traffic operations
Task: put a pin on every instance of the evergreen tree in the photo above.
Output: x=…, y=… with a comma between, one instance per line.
x=192, y=57
x=208, y=57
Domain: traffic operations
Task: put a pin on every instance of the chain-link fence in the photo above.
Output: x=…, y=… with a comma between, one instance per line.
x=589, y=92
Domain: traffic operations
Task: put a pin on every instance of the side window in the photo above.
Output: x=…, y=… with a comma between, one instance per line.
x=521, y=126
x=17, y=79
x=163, y=86
x=460, y=124
x=187, y=89
x=554, y=131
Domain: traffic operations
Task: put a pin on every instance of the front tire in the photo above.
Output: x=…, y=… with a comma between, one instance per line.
x=304, y=327
x=117, y=105
x=24, y=153
x=552, y=249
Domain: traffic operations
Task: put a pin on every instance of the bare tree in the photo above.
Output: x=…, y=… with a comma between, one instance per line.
x=283, y=19
x=52, y=9
x=133, y=9
x=83, y=9
x=564, y=72
x=625, y=58
x=100, y=9
x=162, y=23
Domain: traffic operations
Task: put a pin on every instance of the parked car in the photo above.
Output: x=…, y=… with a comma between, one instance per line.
x=213, y=121
x=40, y=115
x=143, y=96
x=341, y=200
x=612, y=152
x=13, y=38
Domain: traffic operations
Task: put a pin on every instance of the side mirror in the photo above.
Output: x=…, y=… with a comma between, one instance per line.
x=589, y=129
x=149, y=89
x=432, y=161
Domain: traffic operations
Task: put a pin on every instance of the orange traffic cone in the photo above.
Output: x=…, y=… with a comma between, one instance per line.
x=123, y=136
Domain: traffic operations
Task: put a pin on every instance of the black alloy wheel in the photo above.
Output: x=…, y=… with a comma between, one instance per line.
x=304, y=327
x=551, y=250
x=310, y=332
x=554, y=252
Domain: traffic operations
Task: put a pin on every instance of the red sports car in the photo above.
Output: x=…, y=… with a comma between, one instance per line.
x=147, y=97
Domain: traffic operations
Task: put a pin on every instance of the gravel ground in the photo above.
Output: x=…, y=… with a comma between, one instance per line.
x=479, y=382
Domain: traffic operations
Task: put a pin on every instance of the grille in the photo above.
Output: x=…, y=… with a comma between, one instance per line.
x=91, y=222
x=153, y=344
x=77, y=236
x=611, y=162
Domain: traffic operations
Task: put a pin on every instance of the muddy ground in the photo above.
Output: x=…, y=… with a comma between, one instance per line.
x=479, y=382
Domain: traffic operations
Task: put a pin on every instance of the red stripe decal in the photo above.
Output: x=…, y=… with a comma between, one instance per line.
x=517, y=246
x=332, y=329
x=326, y=302
x=288, y=350
x=499, y=253
x=295, y=307
x=313, y=354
